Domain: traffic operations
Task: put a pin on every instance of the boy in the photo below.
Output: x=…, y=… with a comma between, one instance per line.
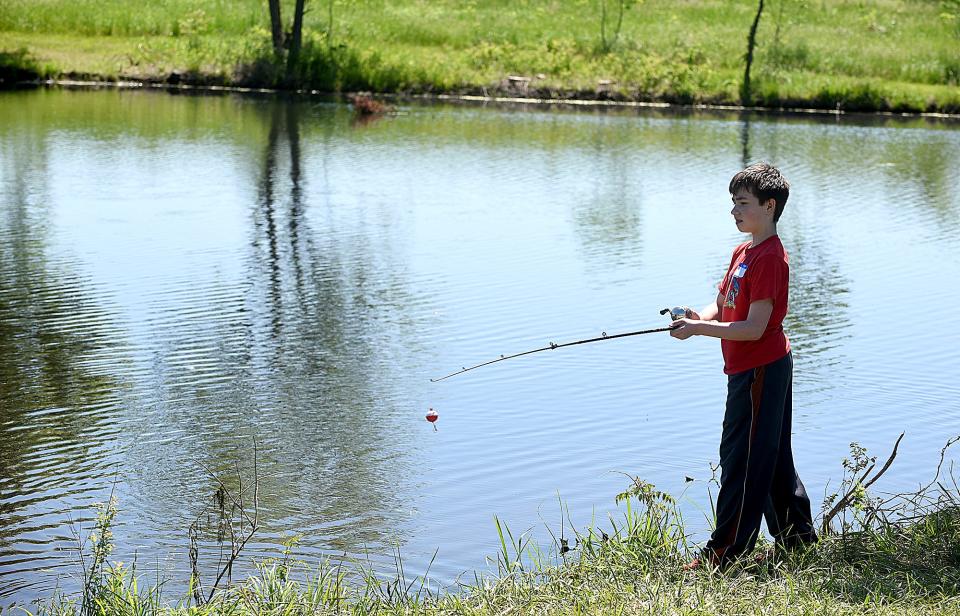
x=758, y=478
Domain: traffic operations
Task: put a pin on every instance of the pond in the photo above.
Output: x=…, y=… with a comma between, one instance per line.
x=206, y=289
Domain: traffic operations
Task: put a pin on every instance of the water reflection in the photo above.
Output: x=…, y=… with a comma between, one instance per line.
x=157, y=321
x=58, y=397
x=609, y=218
x=820, y=313
x=326, y=295
x=927, y=167
x=296, y=358
x=745, y=157
x=819, y=309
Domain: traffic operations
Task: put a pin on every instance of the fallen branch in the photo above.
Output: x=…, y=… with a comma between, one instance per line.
x=923, y=493
x=861, y=484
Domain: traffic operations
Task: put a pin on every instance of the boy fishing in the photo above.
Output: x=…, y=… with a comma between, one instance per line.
x=758, y=478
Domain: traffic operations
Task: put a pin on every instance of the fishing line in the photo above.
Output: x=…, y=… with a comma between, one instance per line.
x=675, y=313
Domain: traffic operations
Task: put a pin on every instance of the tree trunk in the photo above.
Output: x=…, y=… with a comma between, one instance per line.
x=603, y=25
x=329, y=24
x=745, y=97
x=296, y=38
x=276, y=26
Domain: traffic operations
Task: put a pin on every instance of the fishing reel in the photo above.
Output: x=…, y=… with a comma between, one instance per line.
x=677, y=312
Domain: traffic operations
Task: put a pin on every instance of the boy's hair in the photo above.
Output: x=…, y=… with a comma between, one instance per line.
x=763, y=181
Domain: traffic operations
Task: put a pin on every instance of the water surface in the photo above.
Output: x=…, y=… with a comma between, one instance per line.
x=188, y=284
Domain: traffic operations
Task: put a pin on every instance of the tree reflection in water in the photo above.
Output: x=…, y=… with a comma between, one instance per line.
x=288, y=359
x=62, y=366
x=330, y=259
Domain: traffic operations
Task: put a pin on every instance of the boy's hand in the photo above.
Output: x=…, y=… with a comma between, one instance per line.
x=683, y=328
x=692, y=314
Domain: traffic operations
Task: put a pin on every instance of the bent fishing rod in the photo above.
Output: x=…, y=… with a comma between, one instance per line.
x=677, y=312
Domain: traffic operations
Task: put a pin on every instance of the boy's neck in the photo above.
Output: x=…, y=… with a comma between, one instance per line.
x=763, y=234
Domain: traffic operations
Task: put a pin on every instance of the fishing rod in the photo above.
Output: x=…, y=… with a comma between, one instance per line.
x=677, y=312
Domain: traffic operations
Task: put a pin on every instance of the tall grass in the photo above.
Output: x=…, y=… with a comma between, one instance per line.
x=886, y=54
x=907, y=570
x=124, y=18
x=869, y=564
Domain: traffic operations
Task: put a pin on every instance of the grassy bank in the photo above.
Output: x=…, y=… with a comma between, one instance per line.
x=900, y=55
x=894, y=569
x=879, y=555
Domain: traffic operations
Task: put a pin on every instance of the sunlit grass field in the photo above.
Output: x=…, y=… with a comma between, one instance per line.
x=881, y=54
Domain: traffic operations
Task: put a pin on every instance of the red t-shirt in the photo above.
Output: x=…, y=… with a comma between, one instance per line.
x=761, y=272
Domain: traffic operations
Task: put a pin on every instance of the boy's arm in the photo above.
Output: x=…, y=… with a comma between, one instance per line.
x=750, y=329
x=710, y=312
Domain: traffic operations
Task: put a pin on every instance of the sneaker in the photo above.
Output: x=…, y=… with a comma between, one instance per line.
x=765, y=556
x=707, y=559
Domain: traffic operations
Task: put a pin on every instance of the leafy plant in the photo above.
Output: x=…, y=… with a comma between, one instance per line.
x=853, y=495
x=100, y=539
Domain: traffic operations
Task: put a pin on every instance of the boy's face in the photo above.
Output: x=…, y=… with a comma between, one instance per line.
x=750, y=215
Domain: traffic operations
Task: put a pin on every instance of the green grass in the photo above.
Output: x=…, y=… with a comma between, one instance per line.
x=900, y=55
x=890, y=569
x=896, y=555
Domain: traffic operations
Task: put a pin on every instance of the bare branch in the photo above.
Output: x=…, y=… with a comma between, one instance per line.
x=847, y=498
x=943, y=454
x=236, y=525
x=887, y=464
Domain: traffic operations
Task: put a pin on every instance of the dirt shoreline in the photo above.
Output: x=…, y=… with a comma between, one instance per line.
x=572, y=99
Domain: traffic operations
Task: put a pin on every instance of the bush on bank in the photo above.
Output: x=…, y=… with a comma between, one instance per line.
x=17, y=66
